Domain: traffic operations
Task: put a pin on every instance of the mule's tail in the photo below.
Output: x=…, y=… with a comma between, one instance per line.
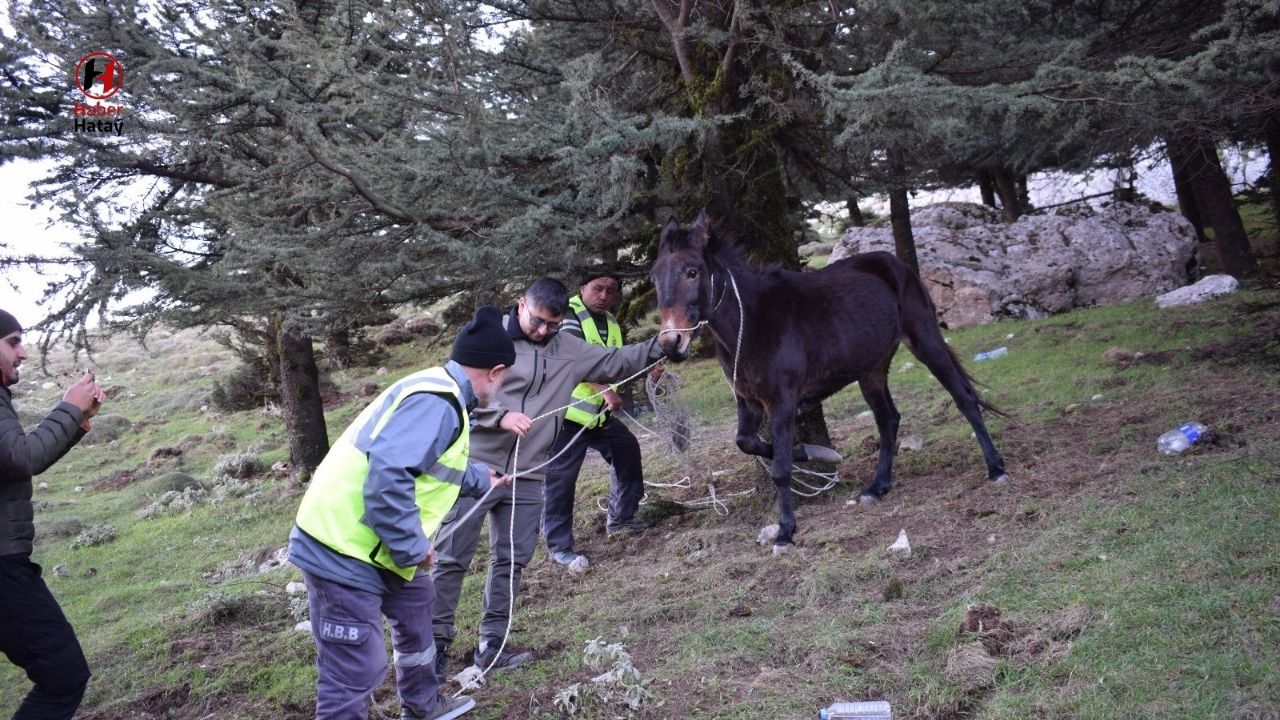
x=924, y=339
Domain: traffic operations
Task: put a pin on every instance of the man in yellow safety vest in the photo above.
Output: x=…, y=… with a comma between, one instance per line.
x=363, y=533
x=590, y=424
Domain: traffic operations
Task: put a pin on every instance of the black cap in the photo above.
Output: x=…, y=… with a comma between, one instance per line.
x=586, y=275
x=483, y=342
x=8, y=324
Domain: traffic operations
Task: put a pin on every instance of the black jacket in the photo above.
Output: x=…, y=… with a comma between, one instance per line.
x=23, y=455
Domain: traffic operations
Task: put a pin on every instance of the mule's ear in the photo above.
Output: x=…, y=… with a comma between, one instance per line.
x=669, y=231
x=698, y=233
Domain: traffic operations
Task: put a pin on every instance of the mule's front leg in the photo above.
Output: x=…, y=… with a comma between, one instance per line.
x=750, y=415
x=784, y=432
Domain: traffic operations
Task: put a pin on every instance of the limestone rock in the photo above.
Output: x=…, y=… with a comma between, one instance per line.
x=1210, y=286
x=978, y=270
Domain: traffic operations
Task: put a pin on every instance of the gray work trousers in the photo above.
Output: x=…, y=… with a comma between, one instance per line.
x=351, y=654
x=456, y=545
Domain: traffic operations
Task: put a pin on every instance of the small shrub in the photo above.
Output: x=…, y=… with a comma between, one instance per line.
x=239, y=466
x=60, y=528
x=172, y=502
x=619, y=685
x=107, y=428
x=172, y=482
x=96, y=535
x=222, y=607
x=300, y=608
x=244, y=388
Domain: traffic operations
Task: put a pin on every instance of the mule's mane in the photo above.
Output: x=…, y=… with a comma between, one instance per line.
x=724, y=245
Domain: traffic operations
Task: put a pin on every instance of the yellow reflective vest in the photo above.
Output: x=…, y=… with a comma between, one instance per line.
x=588, y=411
x=332, y=511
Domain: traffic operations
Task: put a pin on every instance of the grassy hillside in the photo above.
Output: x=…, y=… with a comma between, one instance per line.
x=1107, y=581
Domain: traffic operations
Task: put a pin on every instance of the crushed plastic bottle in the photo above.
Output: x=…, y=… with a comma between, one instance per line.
x=866, y=710
x=1181, y=438
x=991, y=354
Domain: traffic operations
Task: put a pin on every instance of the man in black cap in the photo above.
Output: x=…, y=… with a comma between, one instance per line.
x=363, y=531
x=589, y=424
x=34, y=633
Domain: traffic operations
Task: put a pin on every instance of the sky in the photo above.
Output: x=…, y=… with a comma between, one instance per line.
x=26, y=231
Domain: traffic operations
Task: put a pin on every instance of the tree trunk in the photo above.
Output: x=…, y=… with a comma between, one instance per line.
x=1122, y=187
x=1212, y=190
x=1007, y=188
x=1273, y=172
x=300, y=401
x=1024, y=195
x=904, y=241
x=338, y=351
x=987, y=186
x=1187, y=204
x=855, y=213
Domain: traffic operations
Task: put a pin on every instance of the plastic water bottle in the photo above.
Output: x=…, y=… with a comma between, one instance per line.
x=991, y=354
x=1181, y=438
x=867, y=710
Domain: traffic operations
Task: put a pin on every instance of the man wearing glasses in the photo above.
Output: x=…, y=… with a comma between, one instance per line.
x=548, y=366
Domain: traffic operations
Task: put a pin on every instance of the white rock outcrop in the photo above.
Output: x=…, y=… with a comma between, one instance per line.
x=1208, y=286
x=979, y=270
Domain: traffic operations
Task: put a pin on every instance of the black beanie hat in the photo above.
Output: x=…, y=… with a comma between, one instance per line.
x=599, y=271
x=8, y=324
x=483, y=342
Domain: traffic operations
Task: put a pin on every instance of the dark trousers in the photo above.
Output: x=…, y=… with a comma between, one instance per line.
x=351, y=654
x=35, y=636
x=456, y=543
x=619, y=448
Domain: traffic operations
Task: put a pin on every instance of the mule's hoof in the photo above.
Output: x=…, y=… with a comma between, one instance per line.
x=867, y=501
x=818, y=453
x=1004, y=479
x=782, y=549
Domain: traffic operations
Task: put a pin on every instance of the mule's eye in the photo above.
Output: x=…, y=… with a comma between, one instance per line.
x=691, y=273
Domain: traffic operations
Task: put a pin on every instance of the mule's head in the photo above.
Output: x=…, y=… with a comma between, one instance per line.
x=682, y=279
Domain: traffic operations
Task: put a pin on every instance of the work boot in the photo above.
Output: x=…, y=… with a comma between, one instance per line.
x=488, y=651
x=632, y=525
x=446, y=708
x=572, y=560
x=442, y=659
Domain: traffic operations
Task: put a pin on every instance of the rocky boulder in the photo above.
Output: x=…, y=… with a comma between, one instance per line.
x=979, y=270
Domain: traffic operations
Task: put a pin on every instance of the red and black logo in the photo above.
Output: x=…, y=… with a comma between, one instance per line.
x=99, y=77
x=99, y=69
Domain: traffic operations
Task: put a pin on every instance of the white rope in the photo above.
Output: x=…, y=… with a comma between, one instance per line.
x=511, y=536
x=630, y=417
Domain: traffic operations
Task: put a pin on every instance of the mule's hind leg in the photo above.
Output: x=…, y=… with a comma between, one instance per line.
x=875, y=390
x=945, y=366
x=782, y=422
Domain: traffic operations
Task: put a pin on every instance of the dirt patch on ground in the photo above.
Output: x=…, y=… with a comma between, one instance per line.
x=115, y=480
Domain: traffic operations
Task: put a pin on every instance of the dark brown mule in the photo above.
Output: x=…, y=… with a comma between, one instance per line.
x=805, y=336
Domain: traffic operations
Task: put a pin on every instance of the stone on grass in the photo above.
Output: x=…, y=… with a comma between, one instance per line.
x=1208, y=287
x=902, y=545
x=768, y=534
